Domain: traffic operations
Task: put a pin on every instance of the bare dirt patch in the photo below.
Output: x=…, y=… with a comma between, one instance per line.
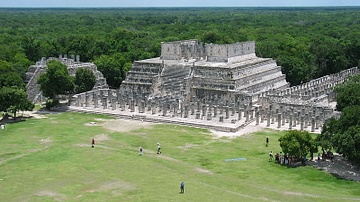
x=120, y=125
x=116, y=187
x=45, y=141
x=201, y=170
x=246, y=130
x=101, y=137
x=187, y=146
x=54, y=195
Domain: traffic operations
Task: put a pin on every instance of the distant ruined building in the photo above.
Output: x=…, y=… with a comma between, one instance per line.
x=221, y=87
x=34, y=71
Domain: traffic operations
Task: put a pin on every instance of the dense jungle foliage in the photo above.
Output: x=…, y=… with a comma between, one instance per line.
x=306, y=42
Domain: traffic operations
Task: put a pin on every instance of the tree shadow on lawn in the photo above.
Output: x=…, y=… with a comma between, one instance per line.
x=339, y=167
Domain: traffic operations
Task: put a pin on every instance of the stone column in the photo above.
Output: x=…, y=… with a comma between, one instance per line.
x=290, y=121
x=239, y=114
x=302, y=122
x=87, y=100
x=227, y=114
x=257, y=117
x=121, y=105
x=203, y=109
x=268, y=119
x=78, y=104
x=215, y=111
x=197, y=116
x=312, y=124
x=174, y=109
x=279, y=120
x=283, y=118
x=104, y=102
x=186, y=111
x=113, y=104
x=192, y=110
x=164, y=109
x=142, y=106
x=95, y=100
x=246, y=115
x=132, y=105
x=209, y=116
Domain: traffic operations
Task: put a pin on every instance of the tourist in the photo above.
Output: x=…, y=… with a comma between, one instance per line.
x=182, y=187
x=267, y=141
x=93, y=143
x=158, y=148
x=271, y=156
x=277, y=158
x=140, y=151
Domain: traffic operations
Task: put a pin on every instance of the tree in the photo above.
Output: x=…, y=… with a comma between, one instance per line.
x=348, y=94
x=9, y=77
x=348, y=143
x=84, y=80
x=112, y=68
x=298, y=143
x=326, y=138
x=14, y=99
x=31, y=48
x=56, y=80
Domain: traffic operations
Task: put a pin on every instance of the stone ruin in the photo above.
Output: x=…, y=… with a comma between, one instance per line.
x=221, y=87
x=34, y=71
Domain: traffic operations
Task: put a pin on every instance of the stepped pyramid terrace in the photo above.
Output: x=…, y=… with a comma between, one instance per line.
x=223, y=87
x=34, y=71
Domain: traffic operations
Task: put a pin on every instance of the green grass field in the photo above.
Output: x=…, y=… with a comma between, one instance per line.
x=52, y=160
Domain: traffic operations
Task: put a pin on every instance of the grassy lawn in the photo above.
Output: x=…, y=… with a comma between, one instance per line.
x=51, y=159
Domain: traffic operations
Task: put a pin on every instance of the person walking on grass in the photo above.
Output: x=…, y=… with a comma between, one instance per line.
x=140, y=151
x=267, y=141
x=158, y=148
x=182, y=187
x=93, y=143
x=271, y=156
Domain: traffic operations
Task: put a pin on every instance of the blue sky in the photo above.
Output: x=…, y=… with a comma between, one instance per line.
x=175, y=3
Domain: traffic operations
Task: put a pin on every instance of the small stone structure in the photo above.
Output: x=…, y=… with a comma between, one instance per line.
x=34, y=71
x=221, y=87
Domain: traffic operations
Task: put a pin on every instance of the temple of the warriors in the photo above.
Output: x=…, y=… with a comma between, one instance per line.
x=222, y=87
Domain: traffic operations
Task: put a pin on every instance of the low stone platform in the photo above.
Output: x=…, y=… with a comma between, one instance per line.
x=226, y=126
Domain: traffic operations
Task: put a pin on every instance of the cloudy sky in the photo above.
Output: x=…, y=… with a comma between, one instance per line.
x=175, y=3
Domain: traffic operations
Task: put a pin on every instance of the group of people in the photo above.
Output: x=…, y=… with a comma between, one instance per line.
x=158, y=151
x=182, y=184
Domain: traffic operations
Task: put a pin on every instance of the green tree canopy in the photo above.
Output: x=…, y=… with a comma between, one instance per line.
x=348, y=93
x=84, y=80
x=14, y=99
x=9, y=77
x=298, y=143
x=112, y=68
x=56, y=80
x=325, y=139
